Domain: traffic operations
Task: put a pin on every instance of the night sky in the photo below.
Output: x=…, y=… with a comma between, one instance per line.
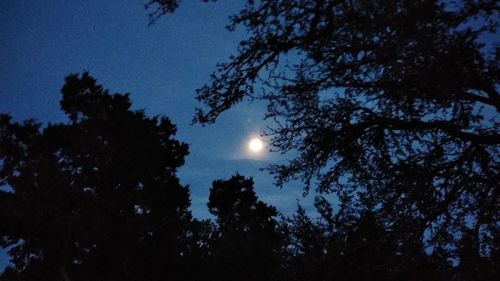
x=160, y=66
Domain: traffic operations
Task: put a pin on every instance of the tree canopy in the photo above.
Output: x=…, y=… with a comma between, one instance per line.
x=395, y=100
x=247, y=243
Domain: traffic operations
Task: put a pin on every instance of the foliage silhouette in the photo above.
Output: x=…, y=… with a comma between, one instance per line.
x=247, y=243
x=96, y=198
x=355, y=247
x=393, y=99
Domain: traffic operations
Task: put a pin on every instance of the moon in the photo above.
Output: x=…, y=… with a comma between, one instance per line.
x=255, y=145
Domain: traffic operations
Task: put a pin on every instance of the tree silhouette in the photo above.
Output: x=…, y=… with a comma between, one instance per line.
x=473, y=266
x=394, y=99
x=247, y=243
x=306, y=249
x=96, y=198
x=350, y=246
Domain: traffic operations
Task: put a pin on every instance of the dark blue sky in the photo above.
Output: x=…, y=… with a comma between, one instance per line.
x=160, y=66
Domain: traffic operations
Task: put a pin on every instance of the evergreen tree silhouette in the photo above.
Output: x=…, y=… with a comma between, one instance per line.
x=96, y=198
x=247, y=243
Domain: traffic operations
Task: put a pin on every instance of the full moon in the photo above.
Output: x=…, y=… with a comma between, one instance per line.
x=255, y=145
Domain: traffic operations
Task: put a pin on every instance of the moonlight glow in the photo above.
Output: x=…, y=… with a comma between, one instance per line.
x=255, y=145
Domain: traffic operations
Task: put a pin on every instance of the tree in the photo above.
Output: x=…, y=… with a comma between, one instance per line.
x=354, y=244
x=394, y=99
x=247, y=243
x=96, y=198
x=472, y=266
x=198, y=252
x=307, y=246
